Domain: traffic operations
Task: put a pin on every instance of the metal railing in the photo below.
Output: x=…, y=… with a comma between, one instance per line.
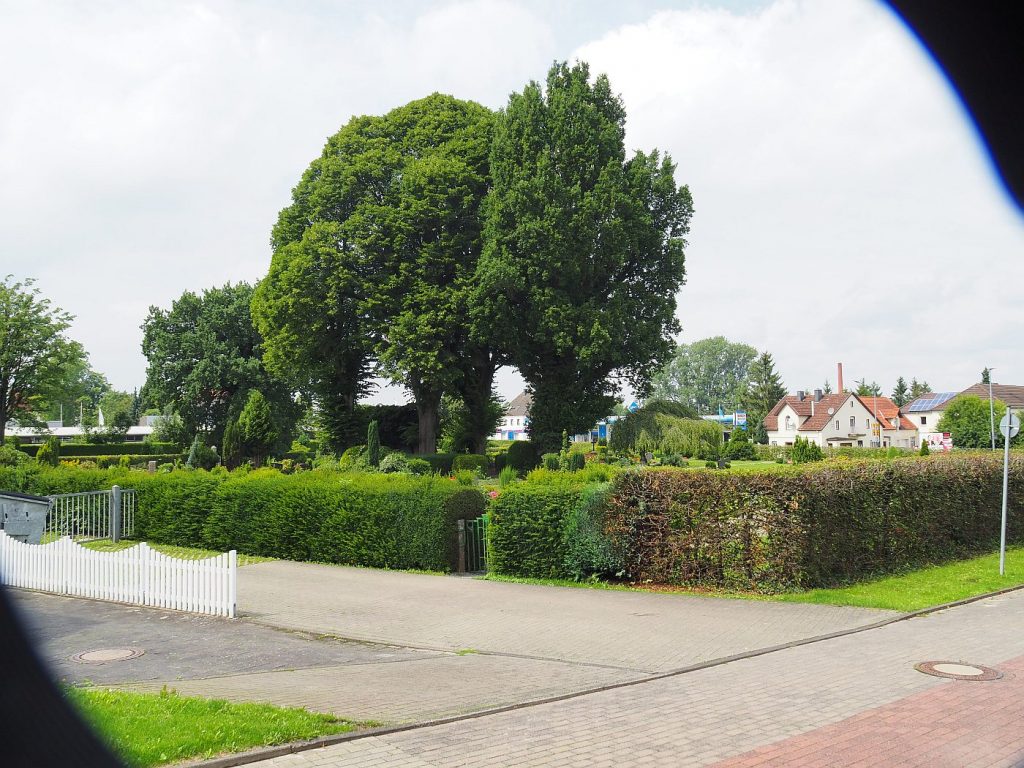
x=92, y=514
x=473, y=536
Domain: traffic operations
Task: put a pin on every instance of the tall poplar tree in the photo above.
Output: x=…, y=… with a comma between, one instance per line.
x=583, y=251
x=764, y=391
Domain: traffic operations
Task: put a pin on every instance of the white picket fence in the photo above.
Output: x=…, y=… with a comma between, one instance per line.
x=138, y=575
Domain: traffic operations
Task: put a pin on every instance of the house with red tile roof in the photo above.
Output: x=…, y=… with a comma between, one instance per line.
x=839, y=420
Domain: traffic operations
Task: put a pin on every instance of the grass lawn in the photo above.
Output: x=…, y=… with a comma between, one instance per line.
x=155, y=728
x=926, y=587
x=185, y=553
x=923, y=588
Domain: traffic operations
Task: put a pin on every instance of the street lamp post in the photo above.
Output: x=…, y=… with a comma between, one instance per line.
x=991, y=409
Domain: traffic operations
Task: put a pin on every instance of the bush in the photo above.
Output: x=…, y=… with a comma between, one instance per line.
x=805, y=451
x=739, y=447
x=506, y=477
x=471, y=461
x=441, y=463
x=373, y=444
x=523, y=456
x=925, y=450
x=395, y=462
x=466, y=477
x=12, y=457
x=201, y=456
x=576, y=462
x=419, y=466
x=551, y=461
x=49, y=452
x=526, y=531
x=588, y=552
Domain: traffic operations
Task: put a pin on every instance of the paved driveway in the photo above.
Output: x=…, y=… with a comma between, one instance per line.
x=636, y=631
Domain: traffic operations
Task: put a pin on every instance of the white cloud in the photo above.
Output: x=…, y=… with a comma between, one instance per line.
x=844, y=210
x=145, y=149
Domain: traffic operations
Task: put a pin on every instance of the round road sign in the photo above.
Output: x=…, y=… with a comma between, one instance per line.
x=1009, y=425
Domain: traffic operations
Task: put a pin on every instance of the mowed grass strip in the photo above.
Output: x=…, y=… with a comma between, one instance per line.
x=184, y=553
x=147, y=729
x=925, y=587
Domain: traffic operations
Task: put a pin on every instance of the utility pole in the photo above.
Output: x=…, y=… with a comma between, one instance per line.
x=991, y=409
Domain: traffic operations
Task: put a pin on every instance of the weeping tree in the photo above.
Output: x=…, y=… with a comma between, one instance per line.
x=666, y=426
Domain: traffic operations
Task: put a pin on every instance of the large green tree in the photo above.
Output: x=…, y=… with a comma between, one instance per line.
x=396, y=198
x=968, y=421
x=706, y=374
x=583, y=251
x=204, y=356
x=35, y=354
x=901, y=392
x=918, y=388
x=763, y=392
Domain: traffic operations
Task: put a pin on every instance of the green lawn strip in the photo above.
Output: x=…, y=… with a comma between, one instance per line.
x=925, y=587
x=185, y=553
x=148, y=729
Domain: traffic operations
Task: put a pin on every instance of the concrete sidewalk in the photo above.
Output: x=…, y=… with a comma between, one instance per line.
x=855, y=700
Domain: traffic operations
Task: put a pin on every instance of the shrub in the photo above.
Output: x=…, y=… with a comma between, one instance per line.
x=507, y=476
x=465, y=477
x=354, y=457
x=49, y=452
x=201, y=456
x=419, y=466
x=804, y=451
x=471, y=461
x=708, y=453
x=526, y=537
x=12, y=457
x=440, y=463
x=373, y=444
x=925, y=450
x=576, y=462
x=523, y=456
x=395, y=462
x=106, y=449
x=551, y=461
x=588, y=552
x=711, y=465
x=739, y=447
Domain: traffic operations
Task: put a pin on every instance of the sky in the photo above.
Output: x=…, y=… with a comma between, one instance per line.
x=845, y=207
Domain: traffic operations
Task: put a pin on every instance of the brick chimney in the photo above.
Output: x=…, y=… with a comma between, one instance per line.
x=840, y=389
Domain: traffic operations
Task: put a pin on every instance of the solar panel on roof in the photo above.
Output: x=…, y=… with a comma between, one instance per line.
x=931, y=403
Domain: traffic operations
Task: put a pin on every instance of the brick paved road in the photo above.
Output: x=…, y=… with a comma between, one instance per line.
x=718, y=713
x=643, y=632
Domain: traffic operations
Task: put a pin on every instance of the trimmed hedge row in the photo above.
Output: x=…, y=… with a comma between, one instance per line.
x=811, y=526
x=91, y=450
x=113, y=460
x=385, y=521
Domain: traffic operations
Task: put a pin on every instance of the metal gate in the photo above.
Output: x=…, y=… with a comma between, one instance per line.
x=93, y=514
x=473, y=545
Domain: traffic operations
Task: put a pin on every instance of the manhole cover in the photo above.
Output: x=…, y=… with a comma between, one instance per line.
x=958, y=670
x=101, y=655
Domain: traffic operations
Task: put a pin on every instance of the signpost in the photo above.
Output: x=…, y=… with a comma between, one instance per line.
x=739, y=419
x=1009, y=426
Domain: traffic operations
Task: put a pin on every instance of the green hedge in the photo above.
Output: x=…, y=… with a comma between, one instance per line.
x=385, y=521
x=522, y=456
x=525, y=534
x=91, y=450
x=472, y=461
x=113, y=460
x=439, y=462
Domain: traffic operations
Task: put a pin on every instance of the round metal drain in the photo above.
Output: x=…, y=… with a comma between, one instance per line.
x=103, y=655
x=958, y=670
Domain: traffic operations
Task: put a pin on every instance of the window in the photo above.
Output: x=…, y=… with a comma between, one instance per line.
x=788, y=423
x=853, y=423
x=867, y=423
x=837, y=424
x=924, y=420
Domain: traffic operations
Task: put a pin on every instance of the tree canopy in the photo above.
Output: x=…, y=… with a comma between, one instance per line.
x=204, y=356
x=901, y=392
x=385, y=230
x=583, y=251
x=35, y=354
x=706, y=374
x=969, y=422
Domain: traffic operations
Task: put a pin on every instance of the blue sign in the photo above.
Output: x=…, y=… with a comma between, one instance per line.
x=633, y=407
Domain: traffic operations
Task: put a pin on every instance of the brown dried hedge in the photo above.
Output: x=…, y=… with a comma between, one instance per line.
x=817, y=526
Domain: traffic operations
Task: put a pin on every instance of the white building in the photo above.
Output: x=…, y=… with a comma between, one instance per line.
x=925, y=411
x=34, y=435
x=513, y=423
x=841, y=420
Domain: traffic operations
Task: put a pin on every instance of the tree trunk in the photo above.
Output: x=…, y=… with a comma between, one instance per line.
x=428, y=409
x=476, y=394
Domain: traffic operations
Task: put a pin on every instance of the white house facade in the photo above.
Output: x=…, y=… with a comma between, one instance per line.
x=839, y=420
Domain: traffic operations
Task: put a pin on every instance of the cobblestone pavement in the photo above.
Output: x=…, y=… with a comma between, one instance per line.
x=862, y=686
x=638, y=631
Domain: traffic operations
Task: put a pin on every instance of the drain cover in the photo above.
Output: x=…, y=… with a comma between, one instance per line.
x=958, y=670
x=101, y=655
